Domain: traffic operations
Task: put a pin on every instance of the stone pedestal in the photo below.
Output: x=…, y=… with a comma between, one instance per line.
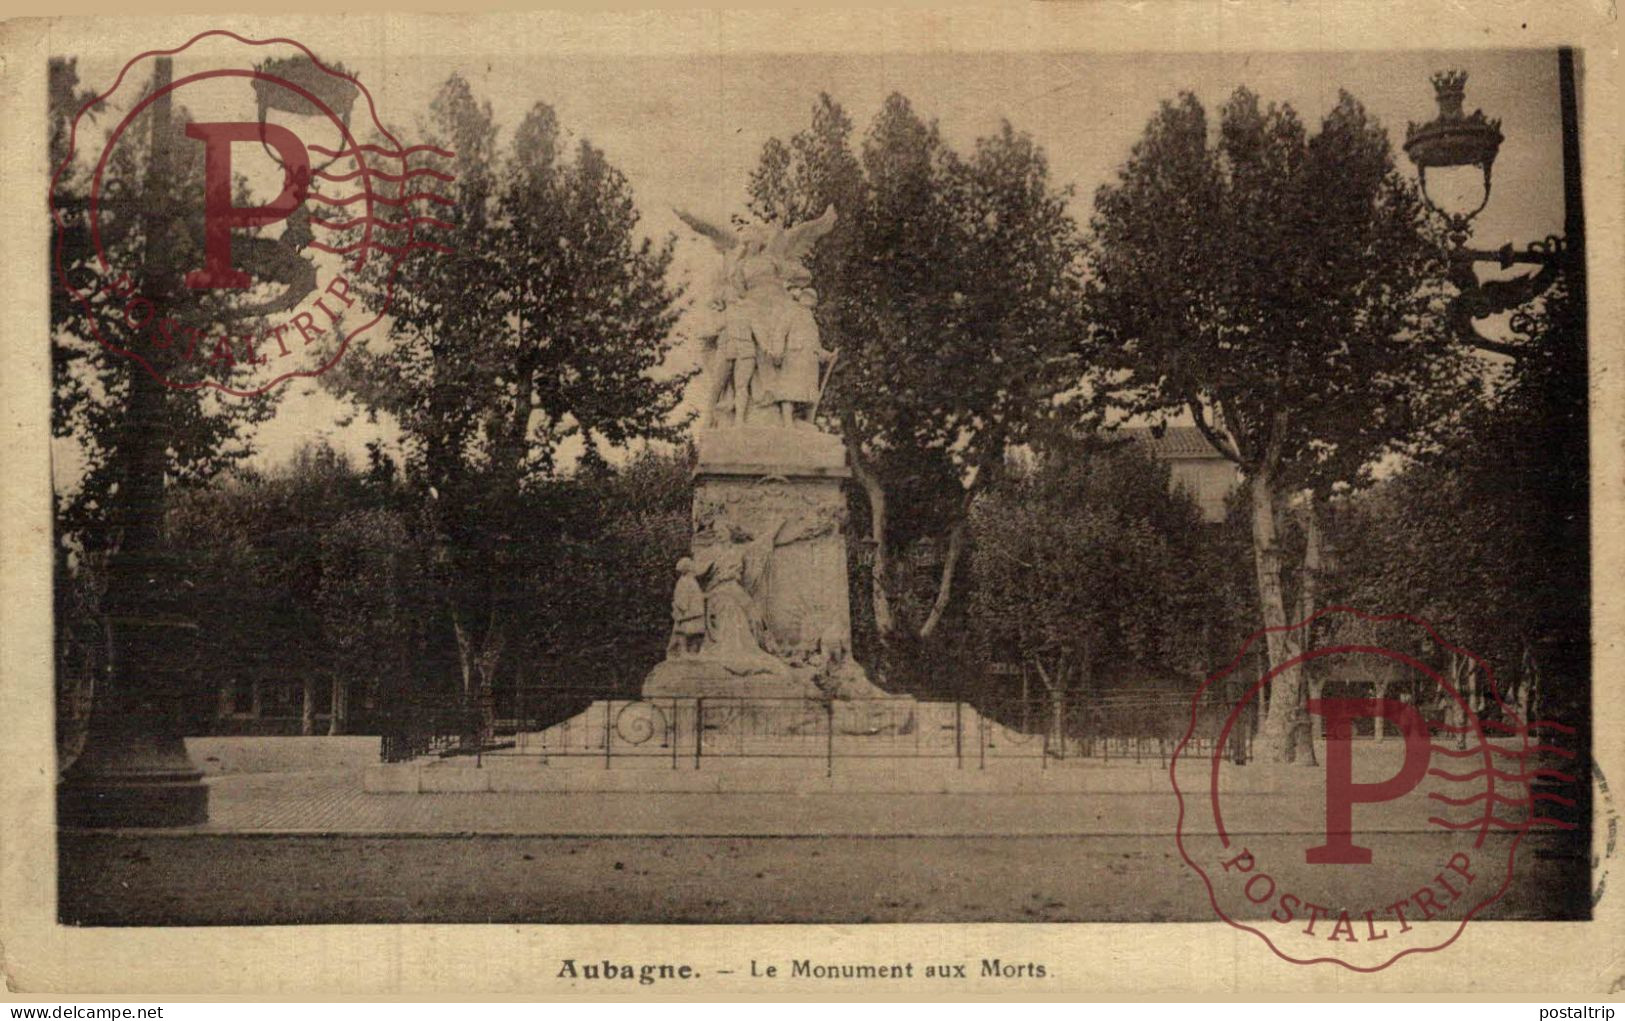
x=134, y=770
x=127, y=777
x=773, y=497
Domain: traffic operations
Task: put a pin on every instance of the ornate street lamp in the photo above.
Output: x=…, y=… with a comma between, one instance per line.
x=134, y=769
x=335, y=93
x=1454, y=141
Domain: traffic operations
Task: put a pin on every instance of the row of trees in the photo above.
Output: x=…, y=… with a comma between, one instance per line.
x=323, y=575
x=328, y=576
x=1285, y=290
x=1282, y=288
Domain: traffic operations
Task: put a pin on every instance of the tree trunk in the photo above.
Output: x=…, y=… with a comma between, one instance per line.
x=1308, y=604
x=465, y=653
x=479, y=668
x=1461, y=678
x=1026, y=704
x=945, y=584
x=880, y=564
x=465, y=663
x=340, y=699
x=488, y=677
x=307, y=716
x=1056, y=686
x=1309, y=587
x=1285, y=714
x=985, y=468
x=1058, y=721
x=1267, y=565
x=1529, y=687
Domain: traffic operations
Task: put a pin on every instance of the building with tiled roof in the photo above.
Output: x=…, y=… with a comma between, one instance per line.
x=1193, y=465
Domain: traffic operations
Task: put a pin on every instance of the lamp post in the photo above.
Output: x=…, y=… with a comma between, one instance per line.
x=134, y=769
x=1451, y=140
x=1548, y=352
x=1455, y=140
x=334, y=92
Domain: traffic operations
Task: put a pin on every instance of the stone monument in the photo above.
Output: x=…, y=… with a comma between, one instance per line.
x=769, y=553
x=758, y=666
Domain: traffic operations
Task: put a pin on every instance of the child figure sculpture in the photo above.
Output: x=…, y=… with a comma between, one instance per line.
x=687, y=613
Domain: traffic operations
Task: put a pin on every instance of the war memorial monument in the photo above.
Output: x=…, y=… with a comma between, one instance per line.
x=758, y=671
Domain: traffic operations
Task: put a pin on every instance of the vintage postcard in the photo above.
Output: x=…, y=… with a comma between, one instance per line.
x=1029, y=502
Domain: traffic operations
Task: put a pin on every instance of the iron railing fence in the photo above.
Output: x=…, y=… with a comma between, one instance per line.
x=686, y=732
x=424, y=726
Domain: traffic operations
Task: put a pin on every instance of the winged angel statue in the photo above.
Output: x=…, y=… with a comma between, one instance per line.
x=763, y=356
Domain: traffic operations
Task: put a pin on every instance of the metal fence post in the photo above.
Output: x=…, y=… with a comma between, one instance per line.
x=959, y=735
x=699, y=729
x=981, y=742
x=829, y=738
x=609, y=705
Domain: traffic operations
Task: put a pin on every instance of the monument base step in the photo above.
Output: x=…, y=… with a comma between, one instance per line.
x=677, y=728
x=676, y=745
x=498, y=774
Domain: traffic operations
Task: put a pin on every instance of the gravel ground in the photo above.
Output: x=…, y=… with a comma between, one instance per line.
x=130, y=879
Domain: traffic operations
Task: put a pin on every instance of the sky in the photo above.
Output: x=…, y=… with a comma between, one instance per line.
x=688, y=130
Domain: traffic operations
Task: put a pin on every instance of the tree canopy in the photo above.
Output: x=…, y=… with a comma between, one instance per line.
x=549, y=320
x=1486, y=530
x=952, y=289
x=1088, y=560
x=1283, y=289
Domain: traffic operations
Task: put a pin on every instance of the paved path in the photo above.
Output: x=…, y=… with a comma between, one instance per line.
x=314, y=786
x=333, y=802
x=310, y=846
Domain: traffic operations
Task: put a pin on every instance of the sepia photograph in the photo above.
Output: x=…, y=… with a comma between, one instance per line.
x=529, y=485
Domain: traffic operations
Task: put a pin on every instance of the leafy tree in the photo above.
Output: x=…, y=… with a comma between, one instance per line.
x=1284, y=290
x=373, y=606
x=251, y=551
x=1086, y=566
x=952, y=289
x=1485, y=531
x=549, y=320
x=598, y=578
